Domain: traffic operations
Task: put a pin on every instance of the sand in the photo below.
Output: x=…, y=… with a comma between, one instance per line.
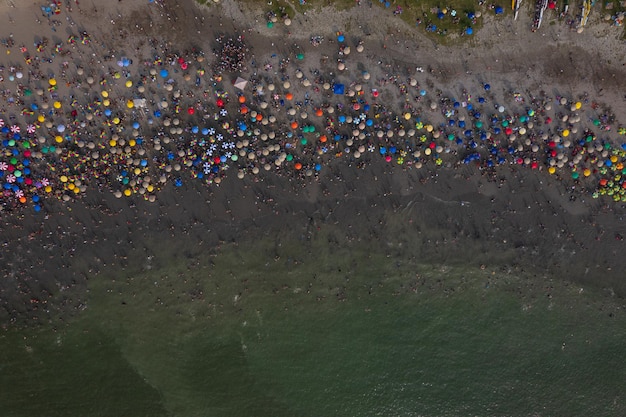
x=513, y=217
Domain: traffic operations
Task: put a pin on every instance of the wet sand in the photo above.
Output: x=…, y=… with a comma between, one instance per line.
x=510, y=216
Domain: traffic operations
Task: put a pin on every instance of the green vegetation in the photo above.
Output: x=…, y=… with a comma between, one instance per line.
x=319, y=325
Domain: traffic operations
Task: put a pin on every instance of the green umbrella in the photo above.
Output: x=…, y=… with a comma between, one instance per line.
x=300, y=56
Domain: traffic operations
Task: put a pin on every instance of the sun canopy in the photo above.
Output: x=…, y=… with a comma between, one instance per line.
x=240, y=83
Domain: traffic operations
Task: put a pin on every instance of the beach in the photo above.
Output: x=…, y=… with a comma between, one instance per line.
x=524, y=70
x=141, y=136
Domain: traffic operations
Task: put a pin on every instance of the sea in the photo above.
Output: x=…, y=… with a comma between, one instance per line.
x=319, y=327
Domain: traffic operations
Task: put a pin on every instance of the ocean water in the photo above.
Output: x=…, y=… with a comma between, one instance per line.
x=317, y=329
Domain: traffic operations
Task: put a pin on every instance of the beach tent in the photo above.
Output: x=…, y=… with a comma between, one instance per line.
x=240, y=83
x=339, y=88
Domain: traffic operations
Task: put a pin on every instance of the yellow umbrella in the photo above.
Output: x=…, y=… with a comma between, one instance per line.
x=129, y=83
x=63, y=178
x=52, y=82
x=58, y=139
x=116, y=120
x=130, y=104
x=127, y=192
x=105, y=93
x=106, y=102
x=578, y=105
x=112, y=142
x=41, y=118
x=57, y=104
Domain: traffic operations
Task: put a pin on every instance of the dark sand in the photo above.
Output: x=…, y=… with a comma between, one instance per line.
x=510, y=217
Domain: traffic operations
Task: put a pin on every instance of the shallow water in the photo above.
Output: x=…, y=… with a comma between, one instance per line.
x=349, y=332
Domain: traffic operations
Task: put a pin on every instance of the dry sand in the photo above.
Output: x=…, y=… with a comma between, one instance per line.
x=512, y=217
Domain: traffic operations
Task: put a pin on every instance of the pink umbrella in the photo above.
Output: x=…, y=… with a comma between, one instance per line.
x=31, y=129
x=10, y=178
x=19, y=193
x=3, y=166
x=45, y=182
x=15, y=129
x=1, y=122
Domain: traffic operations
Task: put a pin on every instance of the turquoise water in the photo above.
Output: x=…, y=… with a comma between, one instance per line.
x=375, y=339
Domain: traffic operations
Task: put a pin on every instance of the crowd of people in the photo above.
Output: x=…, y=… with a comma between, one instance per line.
x=133, y=125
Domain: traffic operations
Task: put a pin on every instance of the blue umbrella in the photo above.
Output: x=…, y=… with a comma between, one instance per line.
x=164, y=73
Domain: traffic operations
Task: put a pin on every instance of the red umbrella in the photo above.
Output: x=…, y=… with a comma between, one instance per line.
x=191, y=110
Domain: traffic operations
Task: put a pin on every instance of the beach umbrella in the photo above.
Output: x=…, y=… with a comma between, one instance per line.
x=469, y=31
